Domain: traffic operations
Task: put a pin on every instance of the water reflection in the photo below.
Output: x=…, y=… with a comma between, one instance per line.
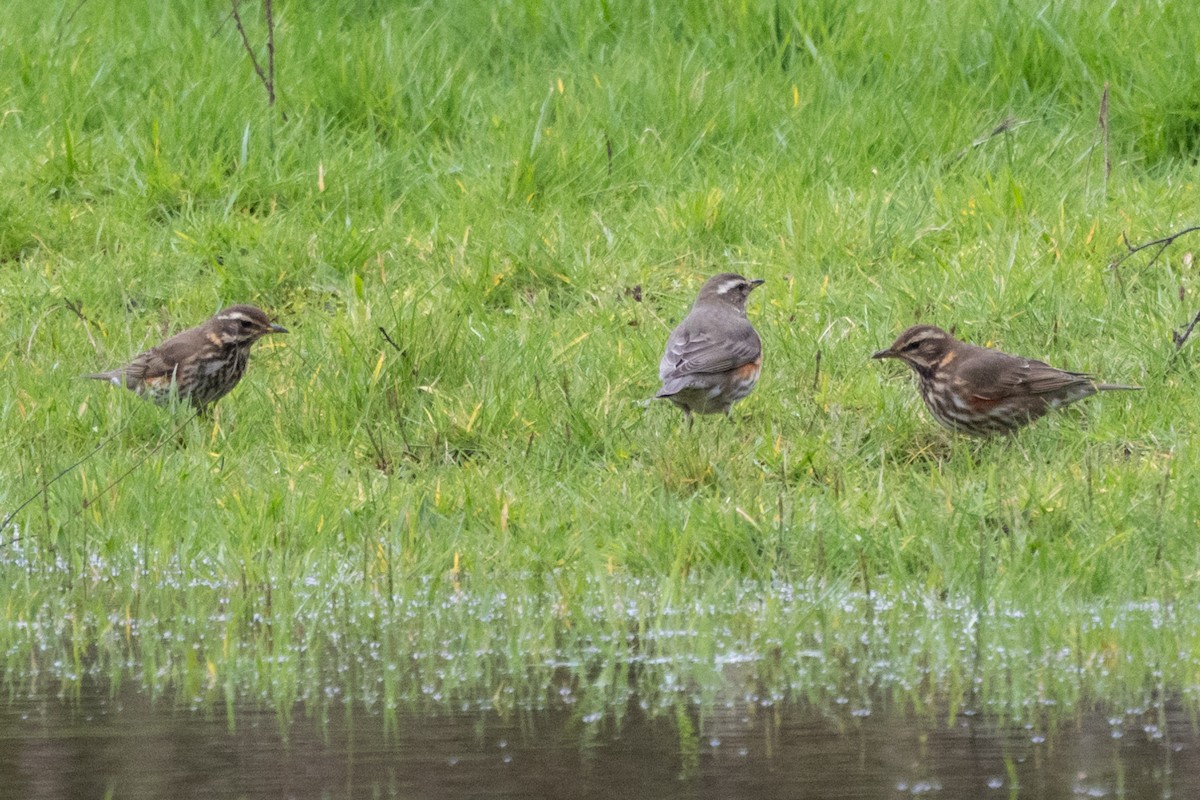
x=125, y=746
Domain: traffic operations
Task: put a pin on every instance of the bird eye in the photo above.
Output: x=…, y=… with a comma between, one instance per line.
x=912, y=345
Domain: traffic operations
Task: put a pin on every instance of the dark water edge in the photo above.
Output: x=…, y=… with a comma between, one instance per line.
x=95, y=745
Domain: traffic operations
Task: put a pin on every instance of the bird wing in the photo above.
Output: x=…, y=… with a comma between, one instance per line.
x=691, y=351
x=163, y=361
x=993, y=375
x=150, y=365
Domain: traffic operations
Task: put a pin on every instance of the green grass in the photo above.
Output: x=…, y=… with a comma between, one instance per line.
x=525, y=196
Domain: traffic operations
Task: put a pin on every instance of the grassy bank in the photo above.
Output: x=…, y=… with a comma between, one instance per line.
x=525, y=199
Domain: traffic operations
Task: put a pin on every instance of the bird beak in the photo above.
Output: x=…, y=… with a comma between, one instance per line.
x=754, y=284
x=276, y=328
x=888, y=353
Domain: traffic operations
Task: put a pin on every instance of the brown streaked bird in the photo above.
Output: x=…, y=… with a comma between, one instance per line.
x=714, y=355
x=980, y=391
x=200, y=365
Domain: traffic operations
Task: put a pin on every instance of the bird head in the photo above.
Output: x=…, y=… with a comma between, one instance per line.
x=922, y=347
x=242, y=324
x=728, y=288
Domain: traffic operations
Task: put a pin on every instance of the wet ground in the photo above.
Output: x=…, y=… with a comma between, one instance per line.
x=127, y=747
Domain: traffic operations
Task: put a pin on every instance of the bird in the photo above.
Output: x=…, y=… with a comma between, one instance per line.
x=981, y=391
x=200, y=365
x=714, y=356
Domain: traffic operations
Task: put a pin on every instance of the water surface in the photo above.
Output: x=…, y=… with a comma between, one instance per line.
x=125, y=746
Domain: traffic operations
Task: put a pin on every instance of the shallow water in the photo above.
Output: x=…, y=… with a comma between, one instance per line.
x=125, y=746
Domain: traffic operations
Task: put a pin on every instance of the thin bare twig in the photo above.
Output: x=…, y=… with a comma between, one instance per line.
x=1104, y=133
x=76, y=308
x=1162, y=244
x=268, y=12
x=169, y=437
x=267, y=78
x=387, y=338
x=41, y=492
x=221, y=26
x=1007, y=124
x=46, y=484
x=1181, y=338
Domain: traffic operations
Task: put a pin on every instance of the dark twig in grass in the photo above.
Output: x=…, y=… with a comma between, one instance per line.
x=387, y=338
x=1104, y=134
x=89, y=501
x=267, y=77
x=817, y=371
x=1162, y=244
x=269, y=14
x=221, y=25
x=408, y=448
x=169, y=437
x=1087, y=471
x=1181, y=338
x=1007, y=124
x=47, y=484
x=76, y=308
x=382, y=462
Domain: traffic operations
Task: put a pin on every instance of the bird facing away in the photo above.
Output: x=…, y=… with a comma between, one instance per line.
x=980, y=391
x=200, y=365
x=714, y=356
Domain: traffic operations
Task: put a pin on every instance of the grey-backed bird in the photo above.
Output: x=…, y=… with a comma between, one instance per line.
x=714, y=355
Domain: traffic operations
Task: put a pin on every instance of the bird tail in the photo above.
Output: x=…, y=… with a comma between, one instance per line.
x=671, y=386
x=669, y=389
x=1116, y=387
